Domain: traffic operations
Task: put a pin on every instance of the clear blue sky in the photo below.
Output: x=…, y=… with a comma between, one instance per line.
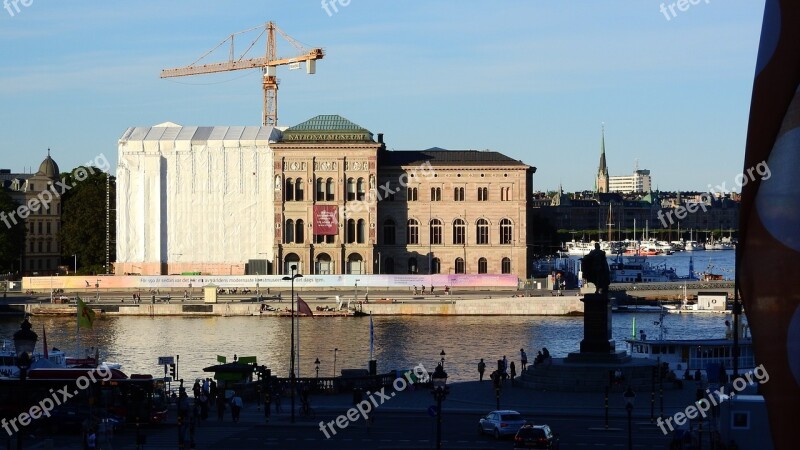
x=531, y=79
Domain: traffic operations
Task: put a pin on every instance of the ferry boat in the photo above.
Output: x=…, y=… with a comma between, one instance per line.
x=706, y=355
x=8, y=359
x=637, y=269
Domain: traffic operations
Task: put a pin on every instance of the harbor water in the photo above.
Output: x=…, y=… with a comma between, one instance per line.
x=399, y=342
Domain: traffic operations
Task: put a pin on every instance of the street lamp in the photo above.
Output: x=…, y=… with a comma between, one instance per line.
x=24, y=343
x=75, y=266
x=291, y=364
x=629, y=397
x=439, y=392
x=442, y=355
x=316, y=363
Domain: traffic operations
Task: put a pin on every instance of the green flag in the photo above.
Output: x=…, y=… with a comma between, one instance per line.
x=633, y=328
x=85, y=315
x=221, y=359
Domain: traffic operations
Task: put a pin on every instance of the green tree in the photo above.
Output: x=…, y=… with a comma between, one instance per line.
x=83, y=219
x=12, y=239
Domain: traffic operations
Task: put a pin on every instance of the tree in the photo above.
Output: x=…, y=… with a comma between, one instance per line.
x=83, y=219
x=12, y=239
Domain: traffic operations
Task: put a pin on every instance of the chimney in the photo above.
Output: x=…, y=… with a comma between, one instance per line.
x=380, y=138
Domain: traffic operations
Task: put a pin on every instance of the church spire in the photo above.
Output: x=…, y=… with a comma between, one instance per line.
x=601, y=182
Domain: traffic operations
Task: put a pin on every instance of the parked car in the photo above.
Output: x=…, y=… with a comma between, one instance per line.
x=501, y=423
x=536, y=436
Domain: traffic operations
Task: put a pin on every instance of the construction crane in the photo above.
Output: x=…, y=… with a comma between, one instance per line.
x=267, y=63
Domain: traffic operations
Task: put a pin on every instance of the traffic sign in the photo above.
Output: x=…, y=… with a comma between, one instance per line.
x=166, y=360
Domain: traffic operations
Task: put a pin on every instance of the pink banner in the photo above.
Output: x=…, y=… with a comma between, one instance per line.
x=326, y=220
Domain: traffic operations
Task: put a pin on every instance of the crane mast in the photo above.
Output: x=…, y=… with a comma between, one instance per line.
x=267, y=63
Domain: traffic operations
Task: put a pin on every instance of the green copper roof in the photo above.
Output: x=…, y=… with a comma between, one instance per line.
x=329, y=127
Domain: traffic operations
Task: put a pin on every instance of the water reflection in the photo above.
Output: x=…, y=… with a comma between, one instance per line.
x=400, y=342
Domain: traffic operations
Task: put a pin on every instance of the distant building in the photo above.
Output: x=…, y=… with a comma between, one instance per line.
x=639, y=182
x=41, y=252
x=602, y=181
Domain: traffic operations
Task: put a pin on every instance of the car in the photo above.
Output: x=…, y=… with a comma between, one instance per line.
x=501, y=423
x=536, y=436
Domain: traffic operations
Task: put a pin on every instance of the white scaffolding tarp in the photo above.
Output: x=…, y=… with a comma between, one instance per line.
x=195, y=196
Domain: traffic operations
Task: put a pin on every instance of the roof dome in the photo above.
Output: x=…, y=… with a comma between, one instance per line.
x=48, y=167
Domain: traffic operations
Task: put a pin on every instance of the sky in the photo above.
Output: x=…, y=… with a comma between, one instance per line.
x=531, y=79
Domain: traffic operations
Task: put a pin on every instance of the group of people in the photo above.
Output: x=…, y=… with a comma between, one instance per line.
x=417, y=291
x=505, y=370
x=543, y=357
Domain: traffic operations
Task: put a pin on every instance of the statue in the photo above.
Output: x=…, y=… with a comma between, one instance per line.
x=595, y=268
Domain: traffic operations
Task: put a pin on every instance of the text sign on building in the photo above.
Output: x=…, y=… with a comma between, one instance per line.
x=326, y=220
x=166, y=360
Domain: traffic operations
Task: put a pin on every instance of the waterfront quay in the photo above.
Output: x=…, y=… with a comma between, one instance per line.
x=403, y=421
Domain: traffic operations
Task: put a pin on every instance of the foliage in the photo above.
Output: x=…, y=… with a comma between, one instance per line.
x=12, y=239
x=83, y=220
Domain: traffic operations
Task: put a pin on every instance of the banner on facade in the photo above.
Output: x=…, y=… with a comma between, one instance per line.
x=326, y=220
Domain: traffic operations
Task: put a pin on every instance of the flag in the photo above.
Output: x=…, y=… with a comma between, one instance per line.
x=633, y=328
x=221, y=359
x=371, y=336
x=85, y=315
x=303, y=308
x=769, y=245
x=44, y=344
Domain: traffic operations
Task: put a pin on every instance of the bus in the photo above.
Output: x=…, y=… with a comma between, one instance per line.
x=74, y=396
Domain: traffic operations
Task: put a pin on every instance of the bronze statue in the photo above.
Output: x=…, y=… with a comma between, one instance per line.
x=595, y=269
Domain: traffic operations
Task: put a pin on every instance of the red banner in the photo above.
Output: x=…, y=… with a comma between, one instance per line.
x=326, y=220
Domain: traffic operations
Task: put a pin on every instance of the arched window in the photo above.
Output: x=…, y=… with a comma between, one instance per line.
x=388, y=265
x=289, y=191
x=483, y=265
x=388, y=232
x=412, y=231
x=436, y=266
x=506, y=265
x=320, y=190
x=482, y=229
x=299, y=235
x=331, y=189
x=459, y=232
x=458, y=194
x=324, y=264
x=290, y=260
x=351, y=189
x=355, y=264
x=361, y=232
x=506, y=231
x=412, y=265
x=411, y=194
x=460, y=267
x=362, y=189
x=351, y=231
x=483, y=194
x=436, y=232
x=299, y=189
x=288, y=232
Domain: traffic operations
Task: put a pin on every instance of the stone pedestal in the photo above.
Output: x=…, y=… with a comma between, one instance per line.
x=597, y=325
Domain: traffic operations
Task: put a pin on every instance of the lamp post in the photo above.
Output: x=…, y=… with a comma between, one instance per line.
x=292, y=379
x=629, y=397
x=442, y=355
x=316, y=363
x=75, y=263
x=97, y=289
x=335, y=351
x=24, y=342
x=439, y=392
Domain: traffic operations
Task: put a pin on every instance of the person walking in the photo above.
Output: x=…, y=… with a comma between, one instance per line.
x=513, y=372
x=236, y=406
x=481, y=369
x=523, y=358
x=220, y=399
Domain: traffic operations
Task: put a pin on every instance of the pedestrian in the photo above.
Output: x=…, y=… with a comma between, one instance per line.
x=206, y=385
x=196, y=389
x=236, y=406
x=481, y=369
x=523, y=358
x=513, y=372
x=203, y=406
x=220, y=405
x=212, y=389
x=431, y=289
x=505, y=367
x=416, y=291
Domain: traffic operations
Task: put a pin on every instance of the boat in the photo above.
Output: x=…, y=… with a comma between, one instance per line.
x=713, y=244
x=693, y=246
x=578, y=248
x=637, y=269
x=8, y=359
